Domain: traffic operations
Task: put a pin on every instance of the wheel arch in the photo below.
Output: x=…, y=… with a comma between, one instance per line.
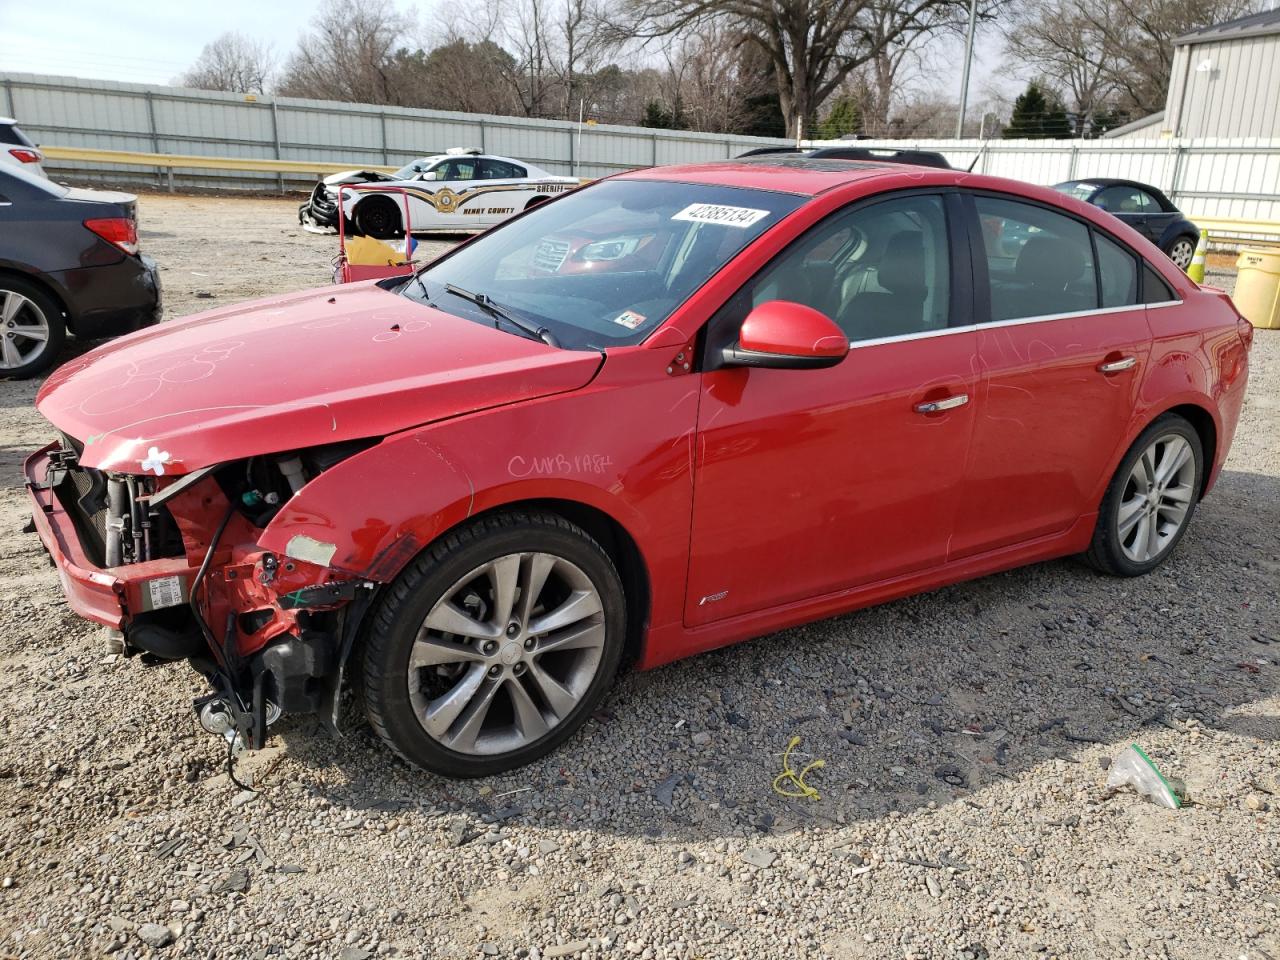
x=1207, y=429
x=37, y=280
x=616, y=540
x=1175, y=232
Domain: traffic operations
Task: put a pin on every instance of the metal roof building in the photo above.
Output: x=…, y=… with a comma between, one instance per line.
x=1226, y=80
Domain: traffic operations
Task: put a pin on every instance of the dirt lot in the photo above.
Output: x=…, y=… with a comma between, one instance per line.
x=962, y=813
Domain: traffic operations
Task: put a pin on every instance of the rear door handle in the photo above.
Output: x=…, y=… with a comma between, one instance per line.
x=937, y=406
x=1115, y=366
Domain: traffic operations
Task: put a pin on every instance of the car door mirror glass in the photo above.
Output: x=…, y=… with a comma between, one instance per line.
x=783, y=334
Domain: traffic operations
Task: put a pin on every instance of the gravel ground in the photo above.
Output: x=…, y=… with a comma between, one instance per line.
x=962, y=809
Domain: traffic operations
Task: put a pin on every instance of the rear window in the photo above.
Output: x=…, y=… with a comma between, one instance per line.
x=17, y=184
x=1080, y=189
x=11, y=134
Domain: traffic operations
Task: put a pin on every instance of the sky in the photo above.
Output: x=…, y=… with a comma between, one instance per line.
x=143, y=41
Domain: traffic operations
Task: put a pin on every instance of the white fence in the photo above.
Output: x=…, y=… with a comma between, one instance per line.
x=68, y=112
x=1237, y=179
x=1219, y=179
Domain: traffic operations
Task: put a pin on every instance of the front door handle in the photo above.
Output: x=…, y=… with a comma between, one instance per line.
x=937, y=406
x=1115, y=366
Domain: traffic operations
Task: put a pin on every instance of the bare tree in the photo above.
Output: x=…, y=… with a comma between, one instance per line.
x=711, y=79
x=813, y=44
x=1110, y=54
x=1062, y=39
x=232, y=62
x=349, y=54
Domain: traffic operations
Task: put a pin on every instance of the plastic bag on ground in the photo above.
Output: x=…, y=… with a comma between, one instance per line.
x=1134, y=768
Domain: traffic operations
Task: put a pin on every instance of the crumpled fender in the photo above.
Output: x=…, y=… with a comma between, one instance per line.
x=370, y=514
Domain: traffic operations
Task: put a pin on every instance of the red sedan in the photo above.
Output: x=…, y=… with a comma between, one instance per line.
x=673, y=410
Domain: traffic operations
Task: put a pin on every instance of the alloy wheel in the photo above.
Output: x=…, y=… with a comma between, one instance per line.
x=1181, y=253
x=24, y=329
x=506, y=654
x=1157, y=498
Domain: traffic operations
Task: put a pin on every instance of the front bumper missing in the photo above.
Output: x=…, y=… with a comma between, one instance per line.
x=97, y=594
x=293, y=659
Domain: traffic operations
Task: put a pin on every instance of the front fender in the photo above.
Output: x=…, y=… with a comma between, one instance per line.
x=622, y=446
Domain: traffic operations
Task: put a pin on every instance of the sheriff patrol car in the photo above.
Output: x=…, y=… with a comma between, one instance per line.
x=461, y=190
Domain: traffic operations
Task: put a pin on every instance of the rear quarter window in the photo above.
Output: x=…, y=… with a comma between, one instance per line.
x=11, y=134
x=1154, y=287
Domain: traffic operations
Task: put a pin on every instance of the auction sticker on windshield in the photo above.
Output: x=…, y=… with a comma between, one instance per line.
x=740, y=217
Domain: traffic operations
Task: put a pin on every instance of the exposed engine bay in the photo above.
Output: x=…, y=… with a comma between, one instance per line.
x=270, y=633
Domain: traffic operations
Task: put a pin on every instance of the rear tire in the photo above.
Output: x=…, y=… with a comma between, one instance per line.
x=32, y=328
x=494, y=646
x=534, y=201
x=379, y=217
x=1182, y=250
x=1150, y=500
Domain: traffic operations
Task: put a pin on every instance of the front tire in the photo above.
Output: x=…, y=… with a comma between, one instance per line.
x=379, y=217
x=494, y=646
x=1150, y=501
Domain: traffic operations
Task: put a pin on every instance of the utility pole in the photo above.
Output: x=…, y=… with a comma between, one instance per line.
x=968, y=61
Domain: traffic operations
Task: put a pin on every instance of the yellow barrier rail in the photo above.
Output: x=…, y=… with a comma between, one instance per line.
x=1239, y=231
x=169, y=161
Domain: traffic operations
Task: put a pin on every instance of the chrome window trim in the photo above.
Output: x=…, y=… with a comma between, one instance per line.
x=1016, y=321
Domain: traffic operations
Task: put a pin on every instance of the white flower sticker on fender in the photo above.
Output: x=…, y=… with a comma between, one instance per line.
x=740, y=217
x=155, y=461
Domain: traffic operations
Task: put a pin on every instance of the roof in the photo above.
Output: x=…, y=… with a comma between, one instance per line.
x=1255, y=25
x=1133, y=125
x=784, y=173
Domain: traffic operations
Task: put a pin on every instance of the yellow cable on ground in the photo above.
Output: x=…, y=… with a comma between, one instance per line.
x=798, y=787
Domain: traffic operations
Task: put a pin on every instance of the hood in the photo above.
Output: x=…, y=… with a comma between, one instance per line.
x=356, y=176
x=340, y=363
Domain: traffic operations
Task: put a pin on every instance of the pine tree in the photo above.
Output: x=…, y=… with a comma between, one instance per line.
x=844, y=118
x=1037, y=116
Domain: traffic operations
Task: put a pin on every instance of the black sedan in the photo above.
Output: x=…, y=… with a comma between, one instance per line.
x=1144, y=208
x=69, y=262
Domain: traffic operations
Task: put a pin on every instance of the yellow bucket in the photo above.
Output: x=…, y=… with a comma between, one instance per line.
x=1257, y=293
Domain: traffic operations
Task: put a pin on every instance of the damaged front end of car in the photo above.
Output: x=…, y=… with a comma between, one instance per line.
x=172, y=565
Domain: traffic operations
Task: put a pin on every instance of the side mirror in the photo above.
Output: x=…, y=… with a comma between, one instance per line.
x=428, y=175
x=787, y=335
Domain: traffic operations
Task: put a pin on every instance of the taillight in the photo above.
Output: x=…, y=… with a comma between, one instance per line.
x=1245, y=329
x=120, y=231
x=25, y=156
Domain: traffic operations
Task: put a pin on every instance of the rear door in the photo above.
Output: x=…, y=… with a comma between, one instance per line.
x=813, y=481
x=1062, y=351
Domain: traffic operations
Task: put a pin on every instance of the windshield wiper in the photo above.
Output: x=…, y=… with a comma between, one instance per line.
x=499, y=313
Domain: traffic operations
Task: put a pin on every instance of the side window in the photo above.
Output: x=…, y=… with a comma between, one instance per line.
x=1154, y=288
x=500, y=170
x=1039, y=263
x=878, y=271
x=1126, y=200
x=457, y=170
x=1118, y=273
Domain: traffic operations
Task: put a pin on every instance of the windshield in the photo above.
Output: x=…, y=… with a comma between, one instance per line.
x=607, y=264
x=411, y=170
x=1080, y=189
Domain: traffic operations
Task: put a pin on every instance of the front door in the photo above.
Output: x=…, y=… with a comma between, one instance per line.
x=1062, y=358
x=813, y=481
